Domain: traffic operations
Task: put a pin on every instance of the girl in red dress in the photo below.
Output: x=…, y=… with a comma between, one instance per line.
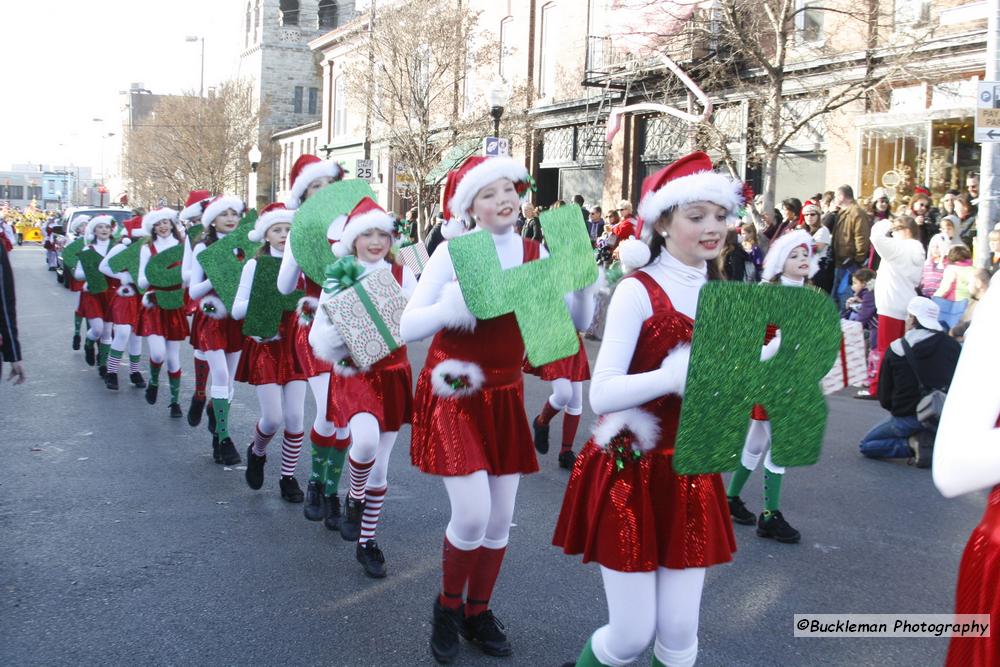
x=77, y=228
x=374, y=402
x=125, y=307
x=567, y=377
x=96, y=307
x=163, y=328
x=310, y=174
x=190, y=216
x=219, y=335
x=652, y=531
x=272, y=366
x=469, y=424
x=967, y=458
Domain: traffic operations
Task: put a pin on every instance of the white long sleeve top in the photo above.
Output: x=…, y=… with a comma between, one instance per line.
x=611, y=387
x=200, y=285
x=425, y=315
x=102, y=248
x=242, y=301
x=899, y=273
x=967, y=449
x=187, y=261
x=161, y=245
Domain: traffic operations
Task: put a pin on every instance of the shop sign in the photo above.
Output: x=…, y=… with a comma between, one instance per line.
x=988, y=111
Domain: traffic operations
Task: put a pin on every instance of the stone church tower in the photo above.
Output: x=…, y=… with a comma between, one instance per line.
x=286, y=74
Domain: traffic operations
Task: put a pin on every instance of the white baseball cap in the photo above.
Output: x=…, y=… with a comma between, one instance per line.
x=926, y=312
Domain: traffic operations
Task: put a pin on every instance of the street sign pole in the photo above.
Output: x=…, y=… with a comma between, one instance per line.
x=989, y=169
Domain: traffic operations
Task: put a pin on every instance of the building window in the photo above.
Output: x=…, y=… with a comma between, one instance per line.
x=328, y=14
x=546, y=51
x=506, y=47
x=912, y=12
x=297, y=100
x=288, y=13
x=339, y=108
x=35, y=192
x=313, y=100
x=809, y=20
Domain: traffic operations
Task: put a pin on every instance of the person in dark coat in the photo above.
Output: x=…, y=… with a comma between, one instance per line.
x=10, y=346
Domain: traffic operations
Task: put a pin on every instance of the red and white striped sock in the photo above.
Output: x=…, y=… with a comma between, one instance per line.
x=359, y=477
x=114, y=359
x=291, y=445
x=260, y=440
x=133, y=363
x=374, y=499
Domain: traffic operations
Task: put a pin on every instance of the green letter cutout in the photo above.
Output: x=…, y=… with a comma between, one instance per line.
x=97, y=282
x=163, y=271
x=223, y=260
x=194, y=233
x=69, y=255
x=726, y=376
x=310, y=246
x=533, y=291
x=128, y=260
x=267, y=304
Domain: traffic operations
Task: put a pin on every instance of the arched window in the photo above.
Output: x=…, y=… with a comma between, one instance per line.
x=246, y=36
x=289, y=12
x=328, y=14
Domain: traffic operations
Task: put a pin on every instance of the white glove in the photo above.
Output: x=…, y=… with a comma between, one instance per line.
x=453, y=311
x=675, y=368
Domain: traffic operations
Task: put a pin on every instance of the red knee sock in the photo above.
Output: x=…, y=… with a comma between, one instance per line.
x=359, y=477
x=482, y=579
x=200, y=378
x=291, y=445
x=260, y=440
x=456, y=565
x=570, y=424
x=547, y=413
x=374, y=499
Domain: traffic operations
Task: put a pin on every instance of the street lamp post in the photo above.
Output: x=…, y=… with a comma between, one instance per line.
x=201, y=85
x=497, y=97
x=254, y=156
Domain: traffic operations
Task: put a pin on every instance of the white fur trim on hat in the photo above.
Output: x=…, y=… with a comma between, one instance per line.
x=309, y=174
x=644, y=427
x=633, y=254
x=469, y=374
x=453, y=228
x=212, y=306
x=479, y=177
x=88, y=236
x=193, y=211
x=219, y=205
x=80, y=221
x=774, y=261
x=455, y=312
x=358, y=225
x=157, y=215
x=306, y=309
x=708, y=186
x=265, y=222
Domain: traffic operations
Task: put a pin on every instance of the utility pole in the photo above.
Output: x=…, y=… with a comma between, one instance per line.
x=371, y=80
x=989, y=170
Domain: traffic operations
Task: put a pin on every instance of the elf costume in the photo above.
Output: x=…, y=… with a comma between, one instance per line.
x=96, y=306
x=125, y=311
x=189, y=216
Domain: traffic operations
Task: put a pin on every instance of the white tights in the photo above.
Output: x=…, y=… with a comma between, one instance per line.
x=567, y=395
x=222, y=368
x=160, y=348
x=368, y=443
x=123, y=338
x=759, y=441
x=100, y=330
x=482, y=507
x=281, y=405
x=642, y=605
x=319, y=385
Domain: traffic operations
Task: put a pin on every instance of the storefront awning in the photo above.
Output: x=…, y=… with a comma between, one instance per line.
x=452, y=159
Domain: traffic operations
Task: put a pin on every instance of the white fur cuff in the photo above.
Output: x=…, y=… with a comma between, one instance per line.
x=676, y=366
x=147, y=300
x=454, y=313
x=306, y=309
x=126, y=291
x=453, y=378
x=213, y=307
x=640, y=428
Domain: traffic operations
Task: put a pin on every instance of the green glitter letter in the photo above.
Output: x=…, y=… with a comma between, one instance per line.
x=69, y=254
x=223, y=260
x=267, y=304
x=128, y=260
x=533, y=291
x=97, y=282
x=163, y=271
x=310, y=246
x=726, y=376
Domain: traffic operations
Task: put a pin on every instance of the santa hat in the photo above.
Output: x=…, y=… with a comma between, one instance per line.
x=810, y=207
x=88, y=236
x=366, y=215
x=272, y=214
x=158, y=215
x=133, y=229
x=306, y=170
x=781, y=248
x=195, y=205
x=473, y=175
x=688, y=180
x=79, y=221
x=220, y=204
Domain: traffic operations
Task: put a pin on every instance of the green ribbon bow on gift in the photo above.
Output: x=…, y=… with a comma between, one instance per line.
x=342, y=274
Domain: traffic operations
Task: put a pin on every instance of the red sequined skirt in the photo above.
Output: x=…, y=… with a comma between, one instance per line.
x=304, y=354
x=125, y=310
x=488, y=430
x=271, y=362
x=575, y=368
x=96, y=306
x=171, y=324
x=385, y=391
x=644, y=516
x=979, y=590
x=219, y=334
x=72, y=283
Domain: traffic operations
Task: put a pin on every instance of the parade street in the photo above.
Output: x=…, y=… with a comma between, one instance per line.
x=124, y=543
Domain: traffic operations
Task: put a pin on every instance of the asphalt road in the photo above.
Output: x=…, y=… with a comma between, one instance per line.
x=122, y=543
